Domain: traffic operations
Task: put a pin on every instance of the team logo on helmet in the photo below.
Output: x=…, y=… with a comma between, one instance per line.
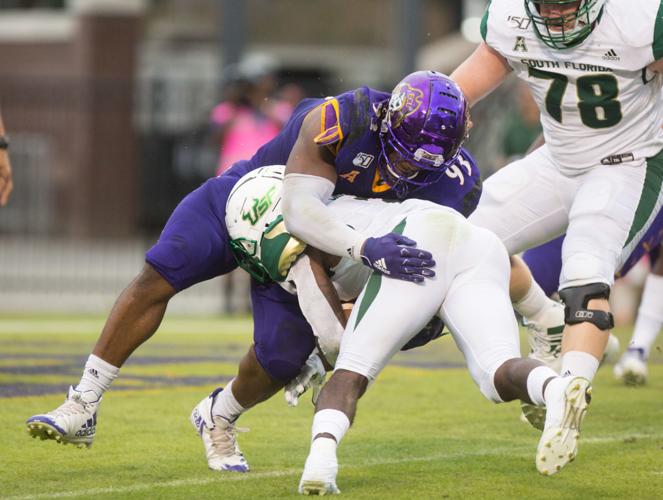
x=259, y=207
x=405, y=100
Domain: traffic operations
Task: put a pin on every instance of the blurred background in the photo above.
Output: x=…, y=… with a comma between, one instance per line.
x=118, y=108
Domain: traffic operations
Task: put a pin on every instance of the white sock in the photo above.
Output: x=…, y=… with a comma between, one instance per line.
x=332, y=422
x=579, y=364
x=534, y=304
x=226, y=406
x=535, y=381
x=650, y=315
x=554, y=391
x=98, y=375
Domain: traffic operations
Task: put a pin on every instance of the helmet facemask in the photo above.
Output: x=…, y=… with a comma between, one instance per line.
x=567, y=30
x=244, y=251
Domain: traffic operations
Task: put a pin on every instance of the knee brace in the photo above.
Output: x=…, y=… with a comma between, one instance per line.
x=575, y=300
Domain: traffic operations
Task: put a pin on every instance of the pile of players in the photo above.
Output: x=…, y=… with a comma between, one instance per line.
x=319, y=198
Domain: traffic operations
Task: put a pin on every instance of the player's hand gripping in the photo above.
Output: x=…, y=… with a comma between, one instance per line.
x=396, y=256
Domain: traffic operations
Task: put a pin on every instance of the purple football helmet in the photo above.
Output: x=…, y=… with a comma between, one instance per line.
x=425, y=124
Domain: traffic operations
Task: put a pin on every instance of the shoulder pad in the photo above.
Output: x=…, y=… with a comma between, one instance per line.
x=330, y=123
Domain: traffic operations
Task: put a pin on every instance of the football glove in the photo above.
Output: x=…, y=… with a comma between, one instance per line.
x=396, y=256
x=312, y=377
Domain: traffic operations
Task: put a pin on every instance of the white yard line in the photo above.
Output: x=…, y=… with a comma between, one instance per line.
x=224, y=477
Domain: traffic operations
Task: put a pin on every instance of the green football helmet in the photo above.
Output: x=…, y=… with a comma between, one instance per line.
x=564, y=31
x=258, y=237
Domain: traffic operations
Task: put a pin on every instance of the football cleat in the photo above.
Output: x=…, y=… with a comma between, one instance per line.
x=567, y=401
x=219, y=437
x=533, y=414
x=319, y=476
x=536, y=415
x=632, y=367
x=73, y=422
x=545, y=336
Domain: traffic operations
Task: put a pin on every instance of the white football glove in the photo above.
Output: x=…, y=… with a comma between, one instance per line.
x=312, y=377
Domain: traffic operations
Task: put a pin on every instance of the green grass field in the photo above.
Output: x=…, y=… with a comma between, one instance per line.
x=422, y=431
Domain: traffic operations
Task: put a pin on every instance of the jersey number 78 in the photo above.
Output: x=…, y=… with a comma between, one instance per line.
x=597, y=97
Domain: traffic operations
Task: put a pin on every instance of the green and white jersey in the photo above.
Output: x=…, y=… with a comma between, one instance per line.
x=373, y=217
x=599, y=103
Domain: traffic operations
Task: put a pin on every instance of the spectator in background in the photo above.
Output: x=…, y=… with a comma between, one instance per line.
x=6, y=184
x=249, y=116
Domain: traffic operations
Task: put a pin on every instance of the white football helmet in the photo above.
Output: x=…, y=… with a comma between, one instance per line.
x=258, y=237
x=564, y=31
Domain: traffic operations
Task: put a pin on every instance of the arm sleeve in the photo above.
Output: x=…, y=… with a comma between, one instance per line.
x=316, y=309
x=308, y=217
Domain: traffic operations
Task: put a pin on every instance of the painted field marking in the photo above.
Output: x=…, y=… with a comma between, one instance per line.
x=519, y=450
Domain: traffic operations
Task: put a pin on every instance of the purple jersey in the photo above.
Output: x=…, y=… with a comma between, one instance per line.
x=349, y=129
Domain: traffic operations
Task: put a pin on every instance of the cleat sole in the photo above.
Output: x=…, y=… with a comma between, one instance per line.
x=318, y=488
x=559, y=446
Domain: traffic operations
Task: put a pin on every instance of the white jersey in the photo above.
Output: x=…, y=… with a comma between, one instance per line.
x=599, y=103
x=373, y=217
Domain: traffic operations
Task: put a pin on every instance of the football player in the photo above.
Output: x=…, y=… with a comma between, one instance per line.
x=474, y=270
x=593, y=67
x=194, y=246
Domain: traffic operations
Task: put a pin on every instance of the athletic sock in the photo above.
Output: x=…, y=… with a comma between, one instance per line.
x=535, y=382
x=332, y=422
x=534, y=304
x=580, y=364
x=225, y=405
x=650, y=315
x=98, y=375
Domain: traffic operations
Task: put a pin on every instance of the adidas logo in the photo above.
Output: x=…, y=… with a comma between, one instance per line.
x=88, y=428
x=381, y=266
x=198, y=420
x=611, y=55
x=93, y=372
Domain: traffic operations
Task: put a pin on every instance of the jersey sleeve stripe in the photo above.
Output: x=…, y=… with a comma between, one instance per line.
x=330, y=125
x=657, y=46
x=484, y=23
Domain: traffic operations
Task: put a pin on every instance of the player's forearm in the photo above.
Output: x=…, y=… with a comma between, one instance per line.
x=320, y=304
x=481, y=73
x=307, y=216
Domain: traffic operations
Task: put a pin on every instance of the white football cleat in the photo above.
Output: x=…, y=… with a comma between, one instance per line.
x=567, y=399
x=73, y=422
x=219, y=437
x=320, y=470
x=632, y=367
x=545, y=336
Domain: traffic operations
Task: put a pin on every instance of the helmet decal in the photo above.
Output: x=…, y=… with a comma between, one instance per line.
x=405, y=100
x=259, y=207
